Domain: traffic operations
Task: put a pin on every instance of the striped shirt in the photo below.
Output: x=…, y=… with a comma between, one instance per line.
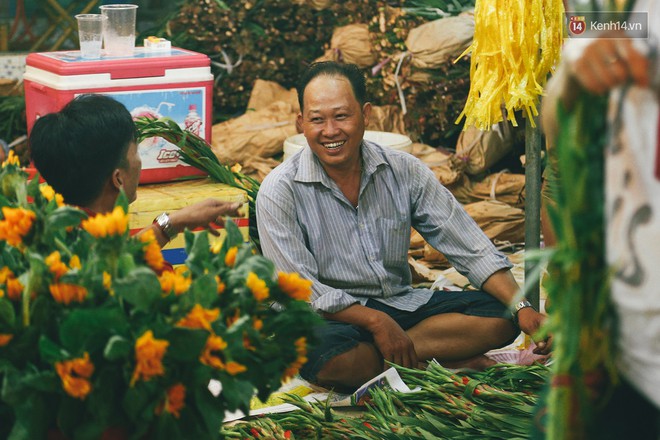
x=307, y=225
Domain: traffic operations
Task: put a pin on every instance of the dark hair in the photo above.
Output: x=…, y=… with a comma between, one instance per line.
x=77, y=149
x=331, y=68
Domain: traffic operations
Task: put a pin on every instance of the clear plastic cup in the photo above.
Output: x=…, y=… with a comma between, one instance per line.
x=90, y=32
x=119, y=32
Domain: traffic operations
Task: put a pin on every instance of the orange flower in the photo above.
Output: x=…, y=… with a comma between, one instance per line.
x=5, y=338
x=221, y=285
x=199, y=317
x=74, y=374
x=104, y=225
x=74, y=262
x=175, y=401
x=64, y=293
x=13, y=285
x=230, y=257
x=16, y=224
x=232, y=319
x=235, y=368
x=152, y=252
x=174, y=282
x=49, y=194
x=216, y=246
x=294, y=286
x=12, y=159
x=257, y=323
x=149, y=354
x=257, y=286
x=107, y=283
x=301, y=350
x=55, y=265
x=213, y=343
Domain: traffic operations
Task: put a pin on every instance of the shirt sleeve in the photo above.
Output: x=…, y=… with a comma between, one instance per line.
x=448, y=228
x=283, y=242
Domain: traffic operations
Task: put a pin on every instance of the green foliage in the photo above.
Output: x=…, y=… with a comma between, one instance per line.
x=94, y=336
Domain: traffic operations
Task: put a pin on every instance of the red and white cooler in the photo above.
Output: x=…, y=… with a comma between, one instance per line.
x=177, y=84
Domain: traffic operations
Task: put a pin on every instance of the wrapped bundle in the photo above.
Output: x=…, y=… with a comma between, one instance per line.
x=438, y=41
x=351, y=44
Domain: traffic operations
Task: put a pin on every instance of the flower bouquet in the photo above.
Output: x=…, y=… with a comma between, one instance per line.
x=98, y=341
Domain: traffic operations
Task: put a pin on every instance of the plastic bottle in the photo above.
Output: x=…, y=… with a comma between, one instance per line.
x=193, y=122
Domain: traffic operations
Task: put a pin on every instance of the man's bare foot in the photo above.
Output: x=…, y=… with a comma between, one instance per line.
x=478, y=363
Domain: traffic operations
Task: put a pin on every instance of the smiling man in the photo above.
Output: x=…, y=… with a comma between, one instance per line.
x=340, y=212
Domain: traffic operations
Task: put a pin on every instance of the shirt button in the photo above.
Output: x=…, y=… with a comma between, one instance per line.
x=361, y=225
x=372, y=258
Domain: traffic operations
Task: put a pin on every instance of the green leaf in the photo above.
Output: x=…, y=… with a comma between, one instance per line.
x=50, y=351
x=122, y=201
x=140, y=288
x=186, y=344
x=204, y=291
x=105, y=399
x=7, y=314
x=89, y=329
x=117, y=348
x=166, y=427
x=237, y=394
x=197, y=250
x=234, y=236
x=64, y=217
x=211, y=409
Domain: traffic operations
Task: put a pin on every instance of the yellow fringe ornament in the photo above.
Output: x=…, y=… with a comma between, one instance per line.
x=516, y=44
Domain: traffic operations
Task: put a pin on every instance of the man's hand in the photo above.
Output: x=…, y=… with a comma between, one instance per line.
x=203, y=214
x=393, y=342
x=529, y=321
x=609, y=62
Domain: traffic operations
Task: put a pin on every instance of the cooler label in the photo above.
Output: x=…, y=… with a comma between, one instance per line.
x=184, y=105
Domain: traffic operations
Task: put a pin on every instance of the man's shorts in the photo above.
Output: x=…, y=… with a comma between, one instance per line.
x=334, y=338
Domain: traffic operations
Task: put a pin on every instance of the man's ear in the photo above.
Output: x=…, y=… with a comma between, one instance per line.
x=117, y=179
x=366, y=112
x=299, y=122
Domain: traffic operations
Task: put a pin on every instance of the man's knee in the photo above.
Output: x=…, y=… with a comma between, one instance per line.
x=352, y=368
x=503, y=331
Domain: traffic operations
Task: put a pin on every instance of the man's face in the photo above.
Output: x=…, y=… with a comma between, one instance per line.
x=333, y=121
x=131, y=173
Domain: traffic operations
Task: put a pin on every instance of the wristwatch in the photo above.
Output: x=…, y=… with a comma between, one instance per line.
x=165, y=224
x=518, y=307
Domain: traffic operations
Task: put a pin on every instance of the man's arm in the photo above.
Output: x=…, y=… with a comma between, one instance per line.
x=503, y=286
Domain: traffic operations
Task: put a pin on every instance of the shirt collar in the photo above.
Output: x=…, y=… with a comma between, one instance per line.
x=310, y=169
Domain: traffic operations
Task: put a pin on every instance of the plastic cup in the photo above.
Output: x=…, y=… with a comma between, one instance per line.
x=119, y=32
x=90, y=32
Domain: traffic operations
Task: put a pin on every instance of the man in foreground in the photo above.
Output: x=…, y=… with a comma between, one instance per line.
x=339, y=213
x=88, y=153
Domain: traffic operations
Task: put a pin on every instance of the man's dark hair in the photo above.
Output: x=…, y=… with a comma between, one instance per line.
x=77, y=149
x=331, y=68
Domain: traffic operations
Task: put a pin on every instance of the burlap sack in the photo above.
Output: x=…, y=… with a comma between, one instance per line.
x=386, y=118
x=256, y=133
x=440, y=163
x=505, y=187
x=438, y=41
x=264, y=93
x=319, y=5
x=498, y=220
x=482, y=149
x=352, y=45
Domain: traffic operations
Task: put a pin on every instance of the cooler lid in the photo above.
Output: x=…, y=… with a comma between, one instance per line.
x=143, y=63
